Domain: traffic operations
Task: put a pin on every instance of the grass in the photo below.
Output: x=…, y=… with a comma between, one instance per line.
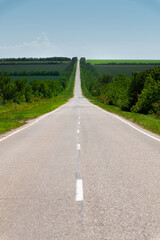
x=15, y=115
x=33, y=67
x=126, y=61
x=121, y=69
x=149, y=122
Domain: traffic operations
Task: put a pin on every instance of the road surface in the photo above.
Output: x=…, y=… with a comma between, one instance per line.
x=79, y=173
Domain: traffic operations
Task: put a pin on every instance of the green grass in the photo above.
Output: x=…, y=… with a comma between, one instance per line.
x=33, y=67
x=149, y=122
x=121, y=69
x=127, y=61
x=15, y=115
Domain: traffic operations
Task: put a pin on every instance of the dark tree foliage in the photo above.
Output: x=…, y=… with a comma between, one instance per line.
x=25, y=61
x=7, y=88
x=90, y=75
x=32, y=73
x=137, y=84
x=20, y=91
x=139, y=93
x=64, y=77
x=57, y=59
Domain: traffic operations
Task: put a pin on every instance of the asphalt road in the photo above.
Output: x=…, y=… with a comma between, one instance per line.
x=79, y=173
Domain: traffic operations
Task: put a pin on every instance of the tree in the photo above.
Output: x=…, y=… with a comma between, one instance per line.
x=20, y=85
x=7, y=88
x=149, y=95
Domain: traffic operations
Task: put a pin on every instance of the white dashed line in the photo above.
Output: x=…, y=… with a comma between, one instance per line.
x=79, y=190
x=78, y=122
x=78, y=147
x=78, y=131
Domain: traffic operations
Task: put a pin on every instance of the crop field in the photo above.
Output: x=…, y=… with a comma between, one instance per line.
x=30, y=78
x=121, y=69
x=113, y=61
x=127, y=67
x=33, y=67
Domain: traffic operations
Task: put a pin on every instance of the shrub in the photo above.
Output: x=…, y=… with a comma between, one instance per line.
x=149, y=96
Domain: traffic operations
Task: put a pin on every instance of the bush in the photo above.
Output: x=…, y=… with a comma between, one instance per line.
x=118, y=92
x=7, y=88
x=149, y=97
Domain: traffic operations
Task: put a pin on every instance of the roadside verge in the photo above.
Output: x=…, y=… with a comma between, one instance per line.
x=15, y=115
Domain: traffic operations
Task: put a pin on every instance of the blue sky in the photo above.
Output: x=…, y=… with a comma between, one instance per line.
x=104, y=29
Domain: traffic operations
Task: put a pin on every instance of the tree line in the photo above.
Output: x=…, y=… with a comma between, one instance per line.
x=56, y=59
x=139, y=93
x=20, y=91
x=32, y=73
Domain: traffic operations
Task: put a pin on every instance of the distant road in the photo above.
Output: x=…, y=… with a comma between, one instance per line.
x=79, y=173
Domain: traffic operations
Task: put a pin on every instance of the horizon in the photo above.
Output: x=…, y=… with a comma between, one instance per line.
x=147, y=59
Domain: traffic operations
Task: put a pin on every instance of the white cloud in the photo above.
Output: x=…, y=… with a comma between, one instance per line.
x=41, y=46
x=40, y=41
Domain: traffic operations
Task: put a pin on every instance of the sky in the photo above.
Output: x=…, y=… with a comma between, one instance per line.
x=94, y=29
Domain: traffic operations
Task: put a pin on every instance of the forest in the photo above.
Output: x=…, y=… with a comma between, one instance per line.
x=21, y=60
x=32, y=73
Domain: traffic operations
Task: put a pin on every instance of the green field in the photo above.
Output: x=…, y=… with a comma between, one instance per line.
x=127, y=61
x=121, y=69
x=30, y=78
x=33, y=67
x=127, y=67
x=13, y=115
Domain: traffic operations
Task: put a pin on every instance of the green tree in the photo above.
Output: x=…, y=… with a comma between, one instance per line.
x=19, y=95
x=149, y=95
x=7, y=88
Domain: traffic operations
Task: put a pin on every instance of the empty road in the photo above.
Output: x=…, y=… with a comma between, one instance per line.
x=79, y=173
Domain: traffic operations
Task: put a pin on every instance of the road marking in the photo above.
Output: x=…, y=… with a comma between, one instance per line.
x=79, y=190
x=78, y=122
x=122, y=120
x=79, y=117
x=78, y=147
x=78, y=131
